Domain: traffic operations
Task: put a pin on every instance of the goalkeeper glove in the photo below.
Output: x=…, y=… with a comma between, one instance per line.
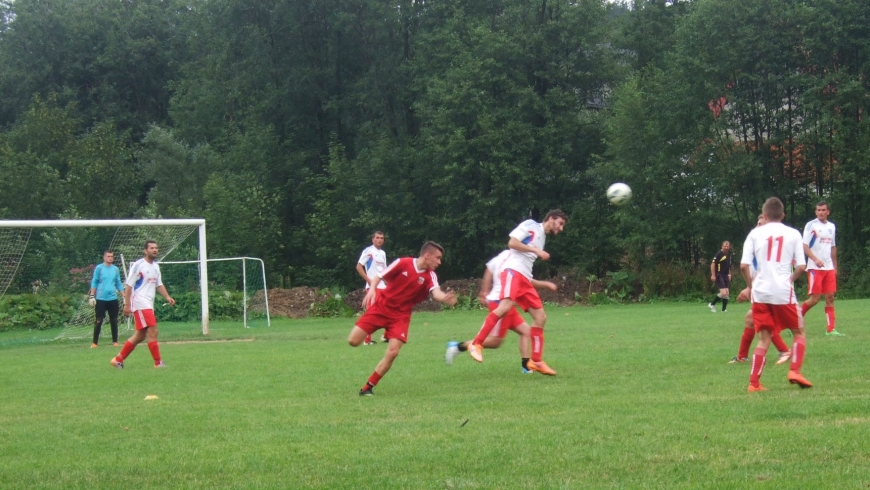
x=92, y=301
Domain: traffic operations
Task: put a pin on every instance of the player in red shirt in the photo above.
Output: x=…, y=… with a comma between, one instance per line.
x=409, y=281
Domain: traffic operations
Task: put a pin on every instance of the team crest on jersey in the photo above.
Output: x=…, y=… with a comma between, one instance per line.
x=420, y=280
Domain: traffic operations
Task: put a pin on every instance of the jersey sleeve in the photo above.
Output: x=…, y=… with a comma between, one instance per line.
x=433, y=281
x=521, y=232
x=118, y=284
x=159, y=275
x=131, y=277
x=748, y=251
x=799, y=257
x=391, y=271
x=94, y=281
x=363, y=257
x=808, y=233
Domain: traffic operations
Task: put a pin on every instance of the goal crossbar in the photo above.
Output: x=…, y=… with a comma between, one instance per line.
x=72, y=223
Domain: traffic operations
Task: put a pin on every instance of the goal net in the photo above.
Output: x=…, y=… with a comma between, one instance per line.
x=46, y=269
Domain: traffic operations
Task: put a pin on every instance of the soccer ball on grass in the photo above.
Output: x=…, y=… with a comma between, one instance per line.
x=619, y=194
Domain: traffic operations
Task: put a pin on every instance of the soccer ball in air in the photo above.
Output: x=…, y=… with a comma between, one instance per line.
x=619, y=194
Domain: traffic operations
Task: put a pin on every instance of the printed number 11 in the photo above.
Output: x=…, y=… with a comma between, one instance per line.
x=770, y=241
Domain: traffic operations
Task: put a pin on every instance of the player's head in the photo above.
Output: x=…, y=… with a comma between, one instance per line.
x=761, y=221
x=108, y=256
x=150, y=249
x=773, y=210
x=431, y=253
x=378, y=239
x=726, y=246
x=822, y=211
x=555, y=221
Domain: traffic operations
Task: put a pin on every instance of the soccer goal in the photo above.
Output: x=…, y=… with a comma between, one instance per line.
x=237, y=287
x=46, y=267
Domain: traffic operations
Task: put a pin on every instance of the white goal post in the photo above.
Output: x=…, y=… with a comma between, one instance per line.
x=10, y=256
x=245, y=293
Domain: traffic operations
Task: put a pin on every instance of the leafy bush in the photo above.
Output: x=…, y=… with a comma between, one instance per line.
x=676, y=280
x=333, y=307
x=222, y=305
x=35, y=312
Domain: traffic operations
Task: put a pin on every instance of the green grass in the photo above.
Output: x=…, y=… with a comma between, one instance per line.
x=644, y=399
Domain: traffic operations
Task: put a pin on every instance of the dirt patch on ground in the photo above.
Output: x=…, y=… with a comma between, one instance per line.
x=296, y=302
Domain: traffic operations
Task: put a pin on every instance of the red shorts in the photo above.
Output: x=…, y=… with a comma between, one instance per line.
x=395, y=325
x=821, y=282
x=144, y=319
x=775, y=318
x=511, y=321
x=519, y=289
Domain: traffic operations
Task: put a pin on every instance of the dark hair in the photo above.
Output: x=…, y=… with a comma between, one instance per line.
x=109, y=251
x=377, y=232
x=773, y=208
x=148, y=242
x=556, y=214
x=429, y=247
x=824, y=203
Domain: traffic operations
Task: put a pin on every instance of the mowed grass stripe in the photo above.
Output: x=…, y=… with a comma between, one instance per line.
x=644, y=398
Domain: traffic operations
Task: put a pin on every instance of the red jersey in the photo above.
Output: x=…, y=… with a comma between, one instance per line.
x=406, y=286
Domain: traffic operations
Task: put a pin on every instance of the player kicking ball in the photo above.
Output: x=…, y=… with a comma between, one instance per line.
x=409, y=281
x=779, y=254
x=490, y=289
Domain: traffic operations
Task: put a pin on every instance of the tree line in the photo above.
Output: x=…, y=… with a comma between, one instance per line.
x=297, y=128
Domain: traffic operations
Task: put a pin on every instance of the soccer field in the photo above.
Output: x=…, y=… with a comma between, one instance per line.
x=644, y=398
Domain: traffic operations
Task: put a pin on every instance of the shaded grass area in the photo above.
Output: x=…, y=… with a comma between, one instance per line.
x=644, y=399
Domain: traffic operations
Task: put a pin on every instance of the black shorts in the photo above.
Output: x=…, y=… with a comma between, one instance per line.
x=723, y=281
x=107, y=306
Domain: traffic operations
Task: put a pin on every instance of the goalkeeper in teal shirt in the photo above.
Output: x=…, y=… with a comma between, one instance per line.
x=104, y=294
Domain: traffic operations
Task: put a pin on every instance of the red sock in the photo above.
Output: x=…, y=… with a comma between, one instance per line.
x=778, y=342
x=126, y=350
x=829, y=314
x=797, y=354
x=155, y=351
x=537, y=343
x=368, y=339
x=745, y=342
x=487, y=327
x=805, y=308
x=373, y=381
x=759, y=358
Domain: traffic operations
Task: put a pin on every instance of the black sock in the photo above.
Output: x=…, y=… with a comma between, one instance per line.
x=462, y=347
x=724, y=303
x=715, y=300
x=526, y=363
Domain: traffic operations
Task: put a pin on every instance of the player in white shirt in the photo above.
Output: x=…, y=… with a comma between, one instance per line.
x=526, y=244
x=820, y=247
x=778, y=252
x=749, y=325
x=142, y=283
x=373, y=261
x=490, y=291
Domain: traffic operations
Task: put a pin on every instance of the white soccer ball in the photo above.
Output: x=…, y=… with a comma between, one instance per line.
x=619, y=194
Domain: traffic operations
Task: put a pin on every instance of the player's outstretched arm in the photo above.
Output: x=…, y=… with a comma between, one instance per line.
x=544, y=285
x=448, y=298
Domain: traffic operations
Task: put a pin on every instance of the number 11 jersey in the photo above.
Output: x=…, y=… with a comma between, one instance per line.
x=776, y=249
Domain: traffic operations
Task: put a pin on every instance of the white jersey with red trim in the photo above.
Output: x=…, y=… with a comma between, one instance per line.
x=495, y=266
x=144, y=278
x=375, y=261
x=531, y=233
x=775, y=248
x=821, y=238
